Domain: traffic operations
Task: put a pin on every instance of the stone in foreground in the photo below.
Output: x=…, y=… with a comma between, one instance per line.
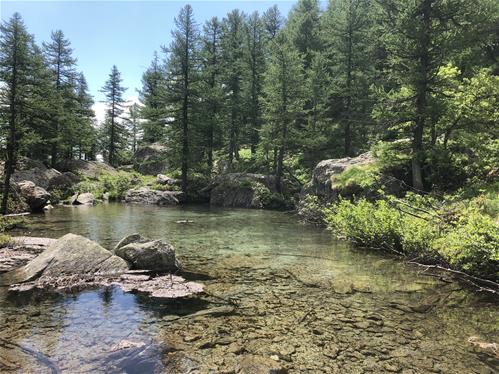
x=152, y=255
x=70, y=255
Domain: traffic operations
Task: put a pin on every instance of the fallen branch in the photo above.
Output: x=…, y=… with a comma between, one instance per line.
x=493, y=287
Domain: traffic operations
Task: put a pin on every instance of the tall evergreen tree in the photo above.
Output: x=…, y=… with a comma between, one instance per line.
x=283, y=100
x=347, y=28
x=233, y=72
x=152, y=96
x=420, y=37
x=272, y=21
x=183, y=73
x=114, y=130
x=211, y=86
x=62, y=64
x=133, y=124
x=15, y=68
x=85, y=133
x=256, y=65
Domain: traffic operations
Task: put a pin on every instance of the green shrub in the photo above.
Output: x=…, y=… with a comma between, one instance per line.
x=364, y=176
x=472, y=244
x=116, y=184
x=463, y=238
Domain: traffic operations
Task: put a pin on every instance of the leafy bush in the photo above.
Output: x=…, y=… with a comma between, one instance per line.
x=364, y=176
x=463, y=238
x=116, y=184
x=472, y=244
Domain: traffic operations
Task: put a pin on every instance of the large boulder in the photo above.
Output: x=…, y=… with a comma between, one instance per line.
x=167, y=181
x=88, y=169
x=147, y=255
x=151, y=159
x=322, y=184
x=70, y=255
x=85, y=198
x=146, y=195
x=34, y=171
x=36, y=196
x=243, y=190
x=63, y=182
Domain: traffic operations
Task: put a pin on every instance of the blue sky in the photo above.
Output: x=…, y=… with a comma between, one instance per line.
x=125, y=33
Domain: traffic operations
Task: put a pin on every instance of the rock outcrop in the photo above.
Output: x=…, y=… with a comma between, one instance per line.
x=88, y=169
x=64, y=181
x=242, y=190
x=321, y=184
x=70, y=255
x=143, y=254
x=34, y=171
x=146, y=195
x=36, y=196
x=151, y=159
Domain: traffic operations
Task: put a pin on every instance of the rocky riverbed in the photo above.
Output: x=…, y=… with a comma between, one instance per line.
x=278, y=297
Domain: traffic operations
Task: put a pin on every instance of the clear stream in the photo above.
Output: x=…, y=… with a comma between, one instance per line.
x=304, y=301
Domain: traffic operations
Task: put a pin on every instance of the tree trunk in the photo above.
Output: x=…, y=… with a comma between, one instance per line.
x=10, y=159
x=421, y=98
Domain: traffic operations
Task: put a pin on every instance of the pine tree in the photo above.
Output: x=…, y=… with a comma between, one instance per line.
x=347, y=29
x=114, y=130
x=420, y=37
x=15, y=64
x=85, y=131
x=233, y=71
x=133, y=124
x=62, y=64
x=152, y=97
x=211, y=86
x=255, y=69
x=303, y=27
x=183, y=72
x=272, y=21
x=282, y=100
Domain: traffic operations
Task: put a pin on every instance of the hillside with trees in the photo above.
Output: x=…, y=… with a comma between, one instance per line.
x=412, y=82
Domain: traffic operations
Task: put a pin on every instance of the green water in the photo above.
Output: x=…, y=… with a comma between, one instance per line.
x=303, y=300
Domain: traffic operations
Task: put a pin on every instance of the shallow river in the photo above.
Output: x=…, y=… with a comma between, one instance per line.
x=286, y=293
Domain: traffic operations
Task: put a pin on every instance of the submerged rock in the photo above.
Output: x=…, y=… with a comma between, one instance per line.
x=146, y=195
x=36, y=197
x=151, y=255
x=251, y=364
x=129, y=356
x=70, y=255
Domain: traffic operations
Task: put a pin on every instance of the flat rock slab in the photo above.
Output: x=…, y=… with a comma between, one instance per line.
x=70, y=255
x=161, y=287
